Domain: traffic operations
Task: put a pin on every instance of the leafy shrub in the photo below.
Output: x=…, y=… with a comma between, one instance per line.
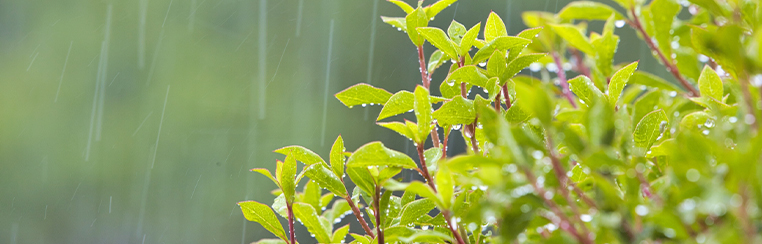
x=614, y=155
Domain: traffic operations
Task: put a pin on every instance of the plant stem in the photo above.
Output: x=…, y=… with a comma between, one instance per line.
x=563, y=179
x=422, y=61
x=444, y=143
x=562, y=79
x=506, y=96
x=497, y=102
x=291, y=223
x=635, y=23
x=377, y=213
x=359, y=217
x=581, y=67
x=565, y=224
x=435, y=136
x=450, y=224
x=424, y=168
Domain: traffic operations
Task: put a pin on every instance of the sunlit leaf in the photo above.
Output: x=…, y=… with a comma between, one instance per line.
x=321, y=174
x=413, y=20
x=457, y=111
x=376, y=154
x=363, y=94
x=415, y=210
x=588, y=10
x=262, y=214
x=310, y=219
x=499, y=43
x=423, y=111
x=584, y=88
x=301, y=154
x=439, y=39
x=468, y=74
x=574, y=36
x=403, y=5
x=520, y=63
x=494, y=27
x=710, y=84
x=456, y=31
x=618, y=80
x=468, y=39
x=434, y=9
x=649, y=128
x=337, y=157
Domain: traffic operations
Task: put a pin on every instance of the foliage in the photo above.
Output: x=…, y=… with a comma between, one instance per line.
x=614, y=155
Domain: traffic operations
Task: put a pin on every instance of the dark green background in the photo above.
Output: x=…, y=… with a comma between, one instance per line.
x=211, y=132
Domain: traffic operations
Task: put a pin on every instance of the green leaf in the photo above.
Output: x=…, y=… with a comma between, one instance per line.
x=326, y=179
x=362, y=178
x=360, y=239
x=400, y=128
x=468, y=74
x=398, y=22
x=337, y=157
x=422, y=107
x=528, y=34
x=695, y=121
x=649, y=128
x=287, y=177
x=427, y=236
x=517, y=218
x=439, y=39
x=403, y=5
x=605, y=48
x=399, y=103
x=339, y=234
x=457, y=111
x=618, y=81
x=262, y=214
x=270, y=241
x=494, y=27
x=584, y=88
x=423, y=190
x=434, y=9
x=436, y=60
x=363, y=94
x=415, y=209
x=280, y=206
x=650, y=80
x=312, y=194
x=456, y=32
x=710, y=84
x=432, y=156
x=520, y=63
x=301, y=154
x=310, y=219
x=468, y=39
x=445, y=186
x=496, y=64
x=413, y=20
x=499, y=43
x=646, y=104
x=588, y=10
x=663, y=13
x=376, y=154
x=574, y=36
x=267, y=173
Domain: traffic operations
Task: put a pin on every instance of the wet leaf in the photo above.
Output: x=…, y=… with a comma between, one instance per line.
x=415, y=209
x=649, y=129
x=439, y=39
x=457, y=111
x=468, y=74
x=376, y=154
x=399, y=103
x=499, y=43
x=468, y=39
x=337, y=157
x=310, y=219
x=423, y=111
x=520, y=63
x=262, y=214
x=588, y=10
x=403, y=5
x=494, y=27
x=413, y=20
x=363, y=94
x=618, y=81
x=710, y=84
x=323, y=176
x=574, y=36
x=301, y=154
x=584, y=88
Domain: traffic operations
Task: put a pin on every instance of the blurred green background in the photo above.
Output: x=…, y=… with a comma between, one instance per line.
x=141, y=128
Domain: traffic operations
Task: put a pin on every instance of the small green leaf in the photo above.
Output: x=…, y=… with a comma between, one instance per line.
x=663, y=13
x=270, y=241
x=376, y=154
x=360, y=239
x=267, y=173
x=468, y=74
x=414, y=210
x=287, y=177
x=434, y=9
x=574, y=36
x=427, y=236
x=618, y=81
x=326, y=179
x=496, y=64
x=499, y=43
x=400, y=128
x=363, y=94
x=588, y=10
x=362, y=178
x=423, y=190
x=650, y=80
x=399, y=103
x=649, y=128
x=457, y=111
x=645, y=104
x=528, y=34
x=422, y=107
x=710, y=84
x=456, y=31
x=436, y=60
x=310, y=219
x=445, y=186
x=468, y=39
x=301, y=154
x=280, y=206
x=439, y=39
x=312, y=194
x=398, y=22
x=413, y=20
x=403, y=5
x=494, y=27
x=432, y=156
x=337, y=157
x=584, y=88
x=339, y=234
x=264, y=215
x=520, y=63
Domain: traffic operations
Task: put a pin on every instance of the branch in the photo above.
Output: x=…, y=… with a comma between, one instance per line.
x=425, y=79
x=671, y=67
x=359, y=217
x=430, y=182
x=563, y=179
x=377, y=214
x=291, y=223
x=562, y=79
x=507, y=96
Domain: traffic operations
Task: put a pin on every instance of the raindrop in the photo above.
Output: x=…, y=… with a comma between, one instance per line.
x=703, y=58
x=552, y=67
x=673, y=94
x=675, y=45
x=756, y=80
x=535, y=67
x=641, y=210
x=399, y=29
x=693, y=175
x=364, y=105
x=425, y=227
x=749, y=119
x=537, y=154
x=709, y=123
x=586, y=218
x=733, y=120
x=619, y=23
x=669, y=232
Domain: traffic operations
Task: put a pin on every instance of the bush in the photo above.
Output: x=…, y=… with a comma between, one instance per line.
x=613, y=155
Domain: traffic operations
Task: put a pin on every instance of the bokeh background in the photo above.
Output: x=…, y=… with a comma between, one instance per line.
x=136, y=121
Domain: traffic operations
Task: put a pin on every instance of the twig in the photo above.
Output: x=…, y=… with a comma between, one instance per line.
x=562, y=79
x=377, y=214
x=422, y=61
x=561, y=176
x=565, y=224
x=506, y=96
x=430, y=182
x=671, y=67
x=291, y=223
x=580, y=66
x=359, y=217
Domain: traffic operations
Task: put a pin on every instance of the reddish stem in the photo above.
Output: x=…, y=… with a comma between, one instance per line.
x=435, y=136
x=377, y=213
x=562, y=79
x=497, y=102
x=444, y=144
x=671, y=67
x=563, y=179
x=422, y=61
x=291, y=223
x=507, y=96
x=424, y=168
x=581, y=67
x=359, y=217
x=565, y=224
x=456, y=233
